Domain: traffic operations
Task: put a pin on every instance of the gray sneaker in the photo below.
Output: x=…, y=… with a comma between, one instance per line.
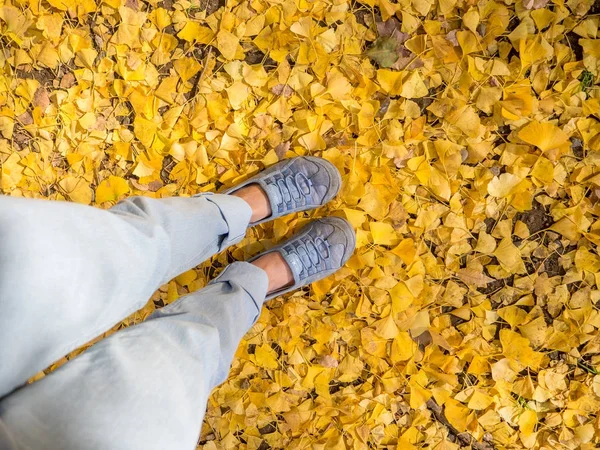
x=296, y=184
x=319, y=249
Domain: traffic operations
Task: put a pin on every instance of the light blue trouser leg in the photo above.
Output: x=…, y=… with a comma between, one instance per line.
x=144, y=387
x=69, y=272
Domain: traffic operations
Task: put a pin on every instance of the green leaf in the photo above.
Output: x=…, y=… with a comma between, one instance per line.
x=384, y=52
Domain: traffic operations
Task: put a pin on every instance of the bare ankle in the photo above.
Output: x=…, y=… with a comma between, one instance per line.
x=279, y=273
x=258, y=200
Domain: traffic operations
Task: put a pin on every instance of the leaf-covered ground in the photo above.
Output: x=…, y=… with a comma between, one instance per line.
x=467, y=133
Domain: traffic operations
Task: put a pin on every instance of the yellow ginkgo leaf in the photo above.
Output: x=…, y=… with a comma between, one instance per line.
x=76, y=189
x=479, y=400
x=419, y=394
x=111, y=189
x=266, y=357
x=386, y=327
x=509, y=256
x=485, y=243
x=513, y=315
x=228, y=44
x=527, y=421
x=390, y=81
x=194, y=32
x=350, y=369
x=302, y=27
x=11, y=172
x=356, y=218
x=503, y=185
x=457, y=414
x=403, y=347
x=186, y=68
x=238, y=93
x=516, y=347
x=413, y=87
x=471, y=19
x=543, y=170
x=544, y=135
x=383, y=233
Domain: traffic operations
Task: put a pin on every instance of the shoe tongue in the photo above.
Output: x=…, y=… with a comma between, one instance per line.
x=274, y=195
x=295, y=264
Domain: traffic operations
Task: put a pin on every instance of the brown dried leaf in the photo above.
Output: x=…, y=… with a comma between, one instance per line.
x=25, y=118
x=534, y=4
x=281, y=149
x=41, y=98
x=282, y=89
x=473, y=277
x=67, y=81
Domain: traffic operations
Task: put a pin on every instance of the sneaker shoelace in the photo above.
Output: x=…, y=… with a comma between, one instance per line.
x=292, y=189
x=312, y=254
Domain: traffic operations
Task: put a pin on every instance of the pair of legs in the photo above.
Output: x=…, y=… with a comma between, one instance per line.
x=69, y=272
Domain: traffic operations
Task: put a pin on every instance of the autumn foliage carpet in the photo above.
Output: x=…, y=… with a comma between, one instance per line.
x=468, y=137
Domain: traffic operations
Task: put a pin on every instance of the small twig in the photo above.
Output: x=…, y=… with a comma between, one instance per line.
x=206, y=59
x=196, y=88
x=588, y=369
x=97, y=41
x=464, y=439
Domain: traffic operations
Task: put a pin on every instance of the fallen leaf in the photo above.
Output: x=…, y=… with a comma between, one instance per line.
x=384, y=51
x=41, y=98
x=111, y=189
x=282, y=89
x=474, y=277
